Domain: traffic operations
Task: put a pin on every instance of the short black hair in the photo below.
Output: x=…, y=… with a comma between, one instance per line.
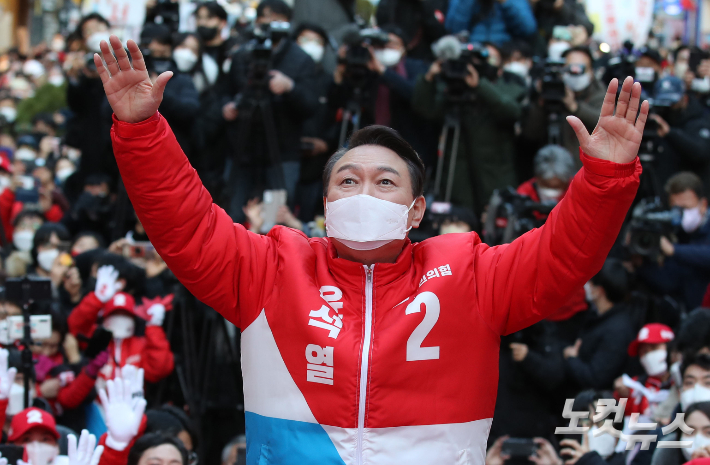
x=614, y=279
x=684, y=181
x=311, y=27
x=680, y=48
x=180, y=37
x=44, y=233
x=702, y=360
x=694, y=331
x=151, y=440
x=383, y=137
x=86, y=19
x=703, y=407
x=392, y=28
x=580, y=49
x=214, y=9
x=278, y=7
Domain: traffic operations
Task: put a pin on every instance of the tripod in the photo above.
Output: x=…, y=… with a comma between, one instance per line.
x=452, y=124
x=351, y=116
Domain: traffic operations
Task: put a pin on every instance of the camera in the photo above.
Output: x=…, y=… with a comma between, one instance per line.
x=457, y=56
x=357, y=57
x=649, y=222
x=263, y=38
x=511, y=215
x=553, y=86
x=622, y=65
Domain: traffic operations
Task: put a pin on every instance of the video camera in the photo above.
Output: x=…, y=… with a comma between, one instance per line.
x=357, y=57
x=260, y=49
x=511, y=215
x=550, y=73
x=622, y=65
x=456, y=57
x=649, y=222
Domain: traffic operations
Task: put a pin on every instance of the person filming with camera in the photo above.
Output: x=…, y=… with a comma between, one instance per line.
x=358, y=344
x=267, y=108
x=685, y=273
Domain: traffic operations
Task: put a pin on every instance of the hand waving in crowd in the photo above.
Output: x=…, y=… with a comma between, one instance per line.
x=123, y=413
x=86, y=452
x=107, y=283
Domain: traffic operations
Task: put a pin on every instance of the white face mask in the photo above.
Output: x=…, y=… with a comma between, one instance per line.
x=185, y=59
x=655, y=362
x=25, y=154
x=680, y=69
x=645, y=74
x=692, y=218
x=23, y=239
x=699, y=441
x=122, y=326
x=518, y=68
x=63, y=174
x=16, y=399
x=388, y=56
x=603, y=444
x=577, y=82
x=56, y=80
x=701, y=86
x=556, y=49
x=9, y=113
x=46, y=258
x=313, y=49
x=41, y=453
x=93, y=42
x=548, y=195
x=363, y=222
x=697, y=393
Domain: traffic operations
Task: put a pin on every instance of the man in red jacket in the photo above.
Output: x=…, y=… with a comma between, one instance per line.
x=363, y=348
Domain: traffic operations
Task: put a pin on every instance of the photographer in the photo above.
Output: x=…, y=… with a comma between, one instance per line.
x=551, y=13
x=491, y=20
x=685, y=273
x=583, y=98
x=420, y=21
x=286, y=88
x=486, y=154
x=683, y=130
x=388, y=89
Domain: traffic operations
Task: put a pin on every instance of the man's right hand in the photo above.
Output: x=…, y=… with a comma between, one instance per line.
x=131, y=94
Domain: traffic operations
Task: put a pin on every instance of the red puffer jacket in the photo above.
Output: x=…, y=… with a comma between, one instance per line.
x=388, y=364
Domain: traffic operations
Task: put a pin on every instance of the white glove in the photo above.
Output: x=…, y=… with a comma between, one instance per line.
x=134, y=377
x=123, y=416
x=87, y=453
x=7, y=376
x=107, y=283
x=157, y=315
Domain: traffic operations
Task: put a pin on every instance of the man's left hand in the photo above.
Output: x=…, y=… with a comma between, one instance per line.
x=280, y=83
x=617, y=136
x=667, y=247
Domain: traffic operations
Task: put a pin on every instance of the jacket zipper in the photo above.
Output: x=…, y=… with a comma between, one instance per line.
x=364, y=362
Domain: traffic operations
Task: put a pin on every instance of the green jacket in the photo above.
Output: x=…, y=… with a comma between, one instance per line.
x=486, y=154
x=47, y=99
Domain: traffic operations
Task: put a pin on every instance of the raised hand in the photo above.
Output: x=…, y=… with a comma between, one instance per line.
x=123, y=416
x=617, y=136
x=107, y=283
x=132, y=95
x=86, y=453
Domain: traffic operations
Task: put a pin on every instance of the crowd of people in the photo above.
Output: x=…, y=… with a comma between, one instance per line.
x=258, y=107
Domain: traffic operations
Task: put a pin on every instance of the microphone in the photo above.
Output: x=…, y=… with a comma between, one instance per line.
x=447, y=48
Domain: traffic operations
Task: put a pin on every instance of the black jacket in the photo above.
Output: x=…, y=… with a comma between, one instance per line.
x=687, y=145
x=421, y=21
x=602, y=355
x=524, y=406
x=290, y=110
x=180, y=106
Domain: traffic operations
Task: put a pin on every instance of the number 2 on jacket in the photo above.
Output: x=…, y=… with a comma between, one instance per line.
x=415, y=351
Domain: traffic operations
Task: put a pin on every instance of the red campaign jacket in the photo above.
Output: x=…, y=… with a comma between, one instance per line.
x=346, y=364
x=7, y=199
x=577, y=301
x=150, y=352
